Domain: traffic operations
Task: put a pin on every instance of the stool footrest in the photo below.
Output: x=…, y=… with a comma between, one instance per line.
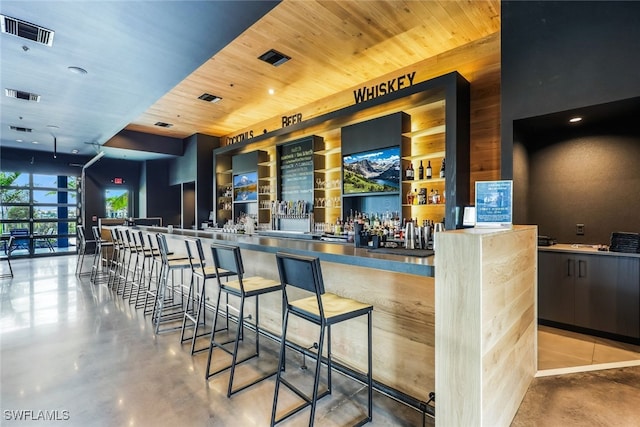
x=229, y=367
x=307, y=400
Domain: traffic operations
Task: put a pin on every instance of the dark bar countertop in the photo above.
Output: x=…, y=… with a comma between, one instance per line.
x=341, y=253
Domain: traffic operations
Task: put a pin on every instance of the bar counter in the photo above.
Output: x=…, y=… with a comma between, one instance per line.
x=401, y=289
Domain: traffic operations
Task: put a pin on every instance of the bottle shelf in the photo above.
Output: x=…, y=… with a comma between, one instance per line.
x=326, y=170
x=435, y=130
x=327, y=189
x=423, y=181
x=435, y=205
x=328, y=151
x=427, y=156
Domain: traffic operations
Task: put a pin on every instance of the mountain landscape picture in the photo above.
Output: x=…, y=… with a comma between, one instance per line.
x=376, y=171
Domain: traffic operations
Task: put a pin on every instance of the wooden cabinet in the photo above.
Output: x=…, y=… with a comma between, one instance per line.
x=599, y=292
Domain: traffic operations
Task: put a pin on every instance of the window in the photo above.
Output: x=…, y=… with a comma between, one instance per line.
x=42, y=206
x=116, y=203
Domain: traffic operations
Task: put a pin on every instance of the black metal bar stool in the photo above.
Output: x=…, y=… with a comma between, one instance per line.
x=82, y=250
x=116, y=259
x=99, y=269
x=200, y=273
x=227, y=260
x=322, y=309
x=145, y=269
x=131, y=248
x=165, y=291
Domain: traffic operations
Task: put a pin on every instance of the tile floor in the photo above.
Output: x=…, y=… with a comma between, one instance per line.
x=89, y=358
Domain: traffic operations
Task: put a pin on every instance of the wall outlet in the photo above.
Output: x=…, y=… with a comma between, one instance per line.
x=579, y=229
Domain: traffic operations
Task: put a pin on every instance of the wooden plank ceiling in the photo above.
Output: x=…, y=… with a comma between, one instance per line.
x=334, y=46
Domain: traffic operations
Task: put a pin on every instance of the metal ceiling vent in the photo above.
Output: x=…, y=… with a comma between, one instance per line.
x=274, y=57
x=21, y=129
x=210, y=98
x=26, y=30
x=20, y=94
x=163, y=124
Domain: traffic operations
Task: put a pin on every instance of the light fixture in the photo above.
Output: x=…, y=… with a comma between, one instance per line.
x=77, y=70
x=18, y=140
x=575, y=119
x=163, y=124
x=271, y=91
x=35, y=142
x=74, y=151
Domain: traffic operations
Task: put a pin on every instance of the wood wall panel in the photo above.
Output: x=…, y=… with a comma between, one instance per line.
x=479, y=63
x=486, y=353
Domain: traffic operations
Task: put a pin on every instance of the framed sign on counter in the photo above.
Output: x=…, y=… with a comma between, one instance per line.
x=494, y=204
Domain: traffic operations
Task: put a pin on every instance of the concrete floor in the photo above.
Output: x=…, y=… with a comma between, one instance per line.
x=78, y=353
x=87, y=358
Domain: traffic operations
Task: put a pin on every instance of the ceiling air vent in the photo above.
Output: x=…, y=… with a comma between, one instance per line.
x=20, y=94
x=163, y=124
x=210, y=98
x=26, y=30
x=274, y=57
x=21, y=129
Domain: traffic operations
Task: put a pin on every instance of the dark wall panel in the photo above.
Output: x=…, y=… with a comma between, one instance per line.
x=163, y=200
x=559, y=55
x=99, y=177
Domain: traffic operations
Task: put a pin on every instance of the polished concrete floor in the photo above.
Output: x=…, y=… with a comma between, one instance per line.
x=88, y=358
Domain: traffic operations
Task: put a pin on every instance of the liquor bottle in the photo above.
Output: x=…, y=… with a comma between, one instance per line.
x=421, y=171
x=442, y=169
x=415, y=196
x=429, y=170
x=407, y=172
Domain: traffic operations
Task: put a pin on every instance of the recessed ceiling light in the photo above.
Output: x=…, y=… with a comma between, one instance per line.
x=271, y=91
x=163, y=124
x=35, y=142
x=77, y=70
x=74, y=151
x=18, y=140
x=575, y=119
x=53, y=127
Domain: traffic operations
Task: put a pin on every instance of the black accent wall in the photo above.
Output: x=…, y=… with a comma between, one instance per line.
x=561, y=59
x=560, y=55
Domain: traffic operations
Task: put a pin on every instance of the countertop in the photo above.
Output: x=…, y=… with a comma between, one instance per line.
x=583, y=249
x=327, y=251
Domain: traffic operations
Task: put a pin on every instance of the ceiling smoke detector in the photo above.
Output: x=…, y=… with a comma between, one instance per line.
x=20, y=94
x=210, y=98
x=163, y=124
x=26, y=30
x=274, y=57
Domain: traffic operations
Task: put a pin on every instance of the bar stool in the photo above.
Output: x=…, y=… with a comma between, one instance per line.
x=155, y=268
x=227, y=259
x=100, y=256
x=82, y=250
x=131, y=249
x=145, y=268
x=117, y=259
x=322, y=309
x=168, y=267
x=200, y=273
